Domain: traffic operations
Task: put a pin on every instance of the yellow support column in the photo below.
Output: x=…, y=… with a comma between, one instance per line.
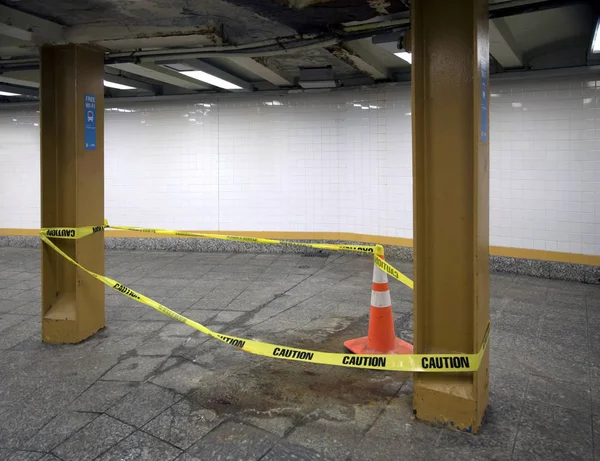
x=72, y=188
x=449, y=41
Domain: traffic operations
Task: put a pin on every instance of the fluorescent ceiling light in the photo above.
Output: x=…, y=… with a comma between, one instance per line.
x=596, y=41
x=211, y=79
x=118, y=86
x=6, y=93
x=404, y=55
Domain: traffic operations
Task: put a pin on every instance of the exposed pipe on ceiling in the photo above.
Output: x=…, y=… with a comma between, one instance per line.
x=247, y=54
x=245, y=46
x=183, y=53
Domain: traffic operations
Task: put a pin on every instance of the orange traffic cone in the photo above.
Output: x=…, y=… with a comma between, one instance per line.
x=381, y=338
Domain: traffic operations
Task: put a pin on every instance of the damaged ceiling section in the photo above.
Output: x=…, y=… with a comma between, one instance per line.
x=173, y=47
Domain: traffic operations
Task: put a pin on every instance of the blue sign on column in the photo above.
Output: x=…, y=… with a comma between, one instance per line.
x=89, y=122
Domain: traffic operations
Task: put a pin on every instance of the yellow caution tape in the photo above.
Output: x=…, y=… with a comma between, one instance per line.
x=391, y=270
x=407, y=363
x=320, y=246
x=72, y=232
x=375, y=250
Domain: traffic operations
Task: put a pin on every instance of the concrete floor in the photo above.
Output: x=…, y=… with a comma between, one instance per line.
x=146, y=388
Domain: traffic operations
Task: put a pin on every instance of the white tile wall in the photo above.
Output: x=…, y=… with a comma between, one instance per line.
x=20, y=169
x=545, y=164
x=328, y=162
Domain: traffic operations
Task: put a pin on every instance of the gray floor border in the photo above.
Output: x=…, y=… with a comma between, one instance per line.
x=532, y=267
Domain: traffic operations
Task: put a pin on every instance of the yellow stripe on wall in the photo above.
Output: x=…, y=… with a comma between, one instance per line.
x=521, y=253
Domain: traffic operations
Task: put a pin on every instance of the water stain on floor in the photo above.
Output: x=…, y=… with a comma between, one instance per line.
x=289, y=388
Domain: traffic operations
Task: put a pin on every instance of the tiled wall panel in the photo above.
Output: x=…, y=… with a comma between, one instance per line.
x=328, y=162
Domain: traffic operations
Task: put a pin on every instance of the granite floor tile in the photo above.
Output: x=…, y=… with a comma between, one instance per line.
x=335, y=439
x=397, y=417
x=30, y=294
x=560, y=298
x=516, y=323
x=10, y=294
x=49, y=457
x=141, y=447
x=508, y=383
x=387, y=449
x=137, y=368
x=102, y=395
x=9, y=319
x=143, y=404
x=120, y=313
x=232, y=441
x=176, y=329
x=162, y=345
x=524, y=293
x=19, y=332
x=20, y=422
x=135, y=328
x=57, y=394
x=23, y=455
x=575, y=336
x=288, y=451
x=595, y=388
x=184, y=423
x=471, y=454
x=560, y=393
x=553, y=433
x=596, y=423
x=31, y=308
x=178, y=304
x=14, y=390
x=180, y=375
x=59, y=429
x=544, y=363
x=275, y=424
x=93, y=440
x=9, y=305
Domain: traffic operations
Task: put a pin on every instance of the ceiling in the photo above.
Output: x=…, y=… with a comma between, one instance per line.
x=265, y=44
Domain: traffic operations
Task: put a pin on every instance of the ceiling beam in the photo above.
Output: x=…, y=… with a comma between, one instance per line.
x=14, y=32
x=33, y=92
x=29, y=28
x=161, y=74
x=515, y=7
x=143, y=86
x=116, y=37
x=503, y=46
x=364, y=63
x=257, y=67
x=29, y=78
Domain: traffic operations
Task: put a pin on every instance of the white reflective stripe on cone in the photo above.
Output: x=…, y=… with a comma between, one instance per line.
x=379, y=276
x=381, y=299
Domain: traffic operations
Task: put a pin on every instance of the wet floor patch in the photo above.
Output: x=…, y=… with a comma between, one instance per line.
x=296, y=389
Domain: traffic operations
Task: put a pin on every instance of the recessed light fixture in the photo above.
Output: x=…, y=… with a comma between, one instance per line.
x=317, y=77
x=118, y=86
x=211, y=79
x=6, y=93
x=394, y=43
x=207, y=73
x=404, y=55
